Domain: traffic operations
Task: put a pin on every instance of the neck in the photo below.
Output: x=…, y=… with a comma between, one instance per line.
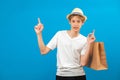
x=73, y=33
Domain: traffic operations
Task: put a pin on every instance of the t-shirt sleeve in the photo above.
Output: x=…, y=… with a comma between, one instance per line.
x=83, y=51
x=53, y=42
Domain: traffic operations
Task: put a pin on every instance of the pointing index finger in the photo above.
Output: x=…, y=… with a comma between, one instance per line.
x=39, y=21
x=93, y=31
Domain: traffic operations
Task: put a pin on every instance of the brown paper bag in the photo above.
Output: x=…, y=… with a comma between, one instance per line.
x=98, y=57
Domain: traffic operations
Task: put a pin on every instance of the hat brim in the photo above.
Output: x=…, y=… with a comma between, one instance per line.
x=77, y=14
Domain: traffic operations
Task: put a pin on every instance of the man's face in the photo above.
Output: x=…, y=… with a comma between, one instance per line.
x=76, y=23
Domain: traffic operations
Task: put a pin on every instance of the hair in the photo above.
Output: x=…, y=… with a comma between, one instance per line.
x=80, y=16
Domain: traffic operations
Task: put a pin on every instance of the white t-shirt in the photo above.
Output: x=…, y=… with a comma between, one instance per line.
x=68, y=53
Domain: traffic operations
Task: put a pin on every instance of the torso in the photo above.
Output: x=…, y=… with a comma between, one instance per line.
x=68, y=54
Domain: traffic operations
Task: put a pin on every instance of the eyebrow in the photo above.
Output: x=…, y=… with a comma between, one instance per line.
x=75, y=20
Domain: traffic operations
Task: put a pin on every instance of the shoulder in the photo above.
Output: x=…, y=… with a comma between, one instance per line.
x=84, y=38
x=61, y=32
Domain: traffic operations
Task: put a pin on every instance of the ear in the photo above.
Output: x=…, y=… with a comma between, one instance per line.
x=82, y=23
x=69, y=22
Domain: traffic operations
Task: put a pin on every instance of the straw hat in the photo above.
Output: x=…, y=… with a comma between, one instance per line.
x=77, y=11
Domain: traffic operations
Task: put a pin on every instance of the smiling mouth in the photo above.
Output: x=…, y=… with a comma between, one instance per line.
x=75, y=27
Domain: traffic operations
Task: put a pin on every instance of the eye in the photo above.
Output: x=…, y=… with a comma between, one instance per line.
x=73, y=21
x=78, y=21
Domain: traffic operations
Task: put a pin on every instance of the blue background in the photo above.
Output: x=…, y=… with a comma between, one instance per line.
x=20, y=57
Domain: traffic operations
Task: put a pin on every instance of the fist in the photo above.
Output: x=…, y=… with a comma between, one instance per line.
x=91, y=37
x=38, y=28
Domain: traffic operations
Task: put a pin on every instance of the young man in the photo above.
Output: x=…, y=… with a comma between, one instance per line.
x=72, y=47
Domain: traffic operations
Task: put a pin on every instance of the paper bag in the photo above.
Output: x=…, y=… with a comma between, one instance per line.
x=97, y=59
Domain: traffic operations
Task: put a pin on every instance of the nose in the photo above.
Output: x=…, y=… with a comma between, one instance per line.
x=76, y=23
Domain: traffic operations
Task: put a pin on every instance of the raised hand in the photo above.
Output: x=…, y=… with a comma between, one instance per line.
x=39, y=27
x=91, y=37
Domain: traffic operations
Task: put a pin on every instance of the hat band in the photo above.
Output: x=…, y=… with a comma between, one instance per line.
x=76, y=13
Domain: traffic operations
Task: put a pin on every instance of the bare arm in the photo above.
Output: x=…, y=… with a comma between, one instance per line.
x=43, y=48
x=85, y=58
x=38, y=29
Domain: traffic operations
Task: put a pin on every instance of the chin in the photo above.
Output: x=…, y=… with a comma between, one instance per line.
x=76, y=30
